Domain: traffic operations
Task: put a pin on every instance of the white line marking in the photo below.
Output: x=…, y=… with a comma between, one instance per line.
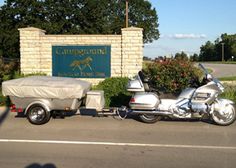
x=116, y=144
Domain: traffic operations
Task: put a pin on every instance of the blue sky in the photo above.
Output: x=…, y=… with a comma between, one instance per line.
x=185, y=25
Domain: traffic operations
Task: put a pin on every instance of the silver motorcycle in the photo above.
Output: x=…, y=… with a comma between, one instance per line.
x=192, y=102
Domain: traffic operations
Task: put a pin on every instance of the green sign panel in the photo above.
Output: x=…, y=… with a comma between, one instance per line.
x=81, y=61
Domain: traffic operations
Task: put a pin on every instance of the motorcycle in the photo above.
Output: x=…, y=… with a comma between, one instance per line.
x=192, y=103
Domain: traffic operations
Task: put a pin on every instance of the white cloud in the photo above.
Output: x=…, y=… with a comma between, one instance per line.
x=189, y=36
x=185, y=36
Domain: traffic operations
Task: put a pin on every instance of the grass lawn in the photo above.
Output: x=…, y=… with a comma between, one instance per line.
x=209, y=70
x=230, y=78
x=230, y=93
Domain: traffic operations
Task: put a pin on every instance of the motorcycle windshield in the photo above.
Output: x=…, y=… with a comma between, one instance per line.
x=217, y=82
x=203, y=69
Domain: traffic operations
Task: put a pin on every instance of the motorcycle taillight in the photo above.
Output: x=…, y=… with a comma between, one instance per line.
x=132, y=100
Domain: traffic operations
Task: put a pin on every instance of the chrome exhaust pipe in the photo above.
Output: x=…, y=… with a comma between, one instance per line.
x=156, y=112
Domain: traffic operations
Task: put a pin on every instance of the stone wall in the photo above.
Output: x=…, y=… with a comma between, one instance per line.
x=126, y=50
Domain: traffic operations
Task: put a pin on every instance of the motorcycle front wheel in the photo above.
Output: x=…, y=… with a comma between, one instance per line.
x=149, y=118
x=226, y=117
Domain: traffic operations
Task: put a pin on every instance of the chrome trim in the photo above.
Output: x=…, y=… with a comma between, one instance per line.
x=157, y=112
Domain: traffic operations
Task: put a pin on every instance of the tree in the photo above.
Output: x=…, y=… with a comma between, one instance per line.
x=233, y=51
x=13, y=15
x=145, y=58
x=229, y=46
x=73, y=17
x=207, y=52
x=181, y=56
x=213, y=51
x=194, y=57
x=142, y=15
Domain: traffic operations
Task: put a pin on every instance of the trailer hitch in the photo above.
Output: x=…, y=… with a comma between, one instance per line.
x=122, y=112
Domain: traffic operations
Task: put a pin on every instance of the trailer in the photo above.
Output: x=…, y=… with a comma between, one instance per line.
x=38, y=97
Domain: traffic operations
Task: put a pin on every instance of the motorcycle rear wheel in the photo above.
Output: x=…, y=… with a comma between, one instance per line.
x=149, y=118
x=226, y=118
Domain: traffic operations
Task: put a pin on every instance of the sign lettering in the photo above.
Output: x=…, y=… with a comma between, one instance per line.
x=81, y=61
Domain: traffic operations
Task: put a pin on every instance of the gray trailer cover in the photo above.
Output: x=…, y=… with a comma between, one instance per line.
x=46, y=87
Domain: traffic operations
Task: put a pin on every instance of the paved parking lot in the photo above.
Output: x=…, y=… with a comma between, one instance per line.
x=222, y=70
x=85, y=141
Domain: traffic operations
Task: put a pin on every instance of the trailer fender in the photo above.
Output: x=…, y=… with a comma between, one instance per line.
x=44, y=103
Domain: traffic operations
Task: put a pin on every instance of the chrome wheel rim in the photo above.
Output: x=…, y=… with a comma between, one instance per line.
x=226, y=116
x=37, y=114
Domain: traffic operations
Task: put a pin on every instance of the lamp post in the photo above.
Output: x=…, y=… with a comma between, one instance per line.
x=223, y=59
x=127, y=13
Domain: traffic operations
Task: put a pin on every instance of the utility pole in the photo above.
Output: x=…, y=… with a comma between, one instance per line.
x=127, y=13
x=223, y=57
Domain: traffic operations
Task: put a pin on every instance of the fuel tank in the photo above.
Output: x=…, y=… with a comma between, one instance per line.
x=144, y=101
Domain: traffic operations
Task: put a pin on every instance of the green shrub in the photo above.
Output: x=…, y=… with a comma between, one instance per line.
x=115, y=91
x=171, y=75
x=7, y=70
x=17, y=74
x=2, y=98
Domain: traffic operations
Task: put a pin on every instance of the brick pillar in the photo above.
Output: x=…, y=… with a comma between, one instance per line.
x=30, y=61
x=132, y=51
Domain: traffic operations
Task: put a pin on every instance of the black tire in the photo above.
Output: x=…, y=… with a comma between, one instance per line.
x=37, y=114
x=149, y=118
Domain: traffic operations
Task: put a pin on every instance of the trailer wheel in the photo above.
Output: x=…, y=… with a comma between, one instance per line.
x=37, y=114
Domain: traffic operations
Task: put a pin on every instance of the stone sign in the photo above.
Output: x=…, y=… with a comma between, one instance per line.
x=92, y=57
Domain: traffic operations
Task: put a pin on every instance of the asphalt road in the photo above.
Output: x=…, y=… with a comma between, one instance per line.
x=84, y=141
x=222, y=70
